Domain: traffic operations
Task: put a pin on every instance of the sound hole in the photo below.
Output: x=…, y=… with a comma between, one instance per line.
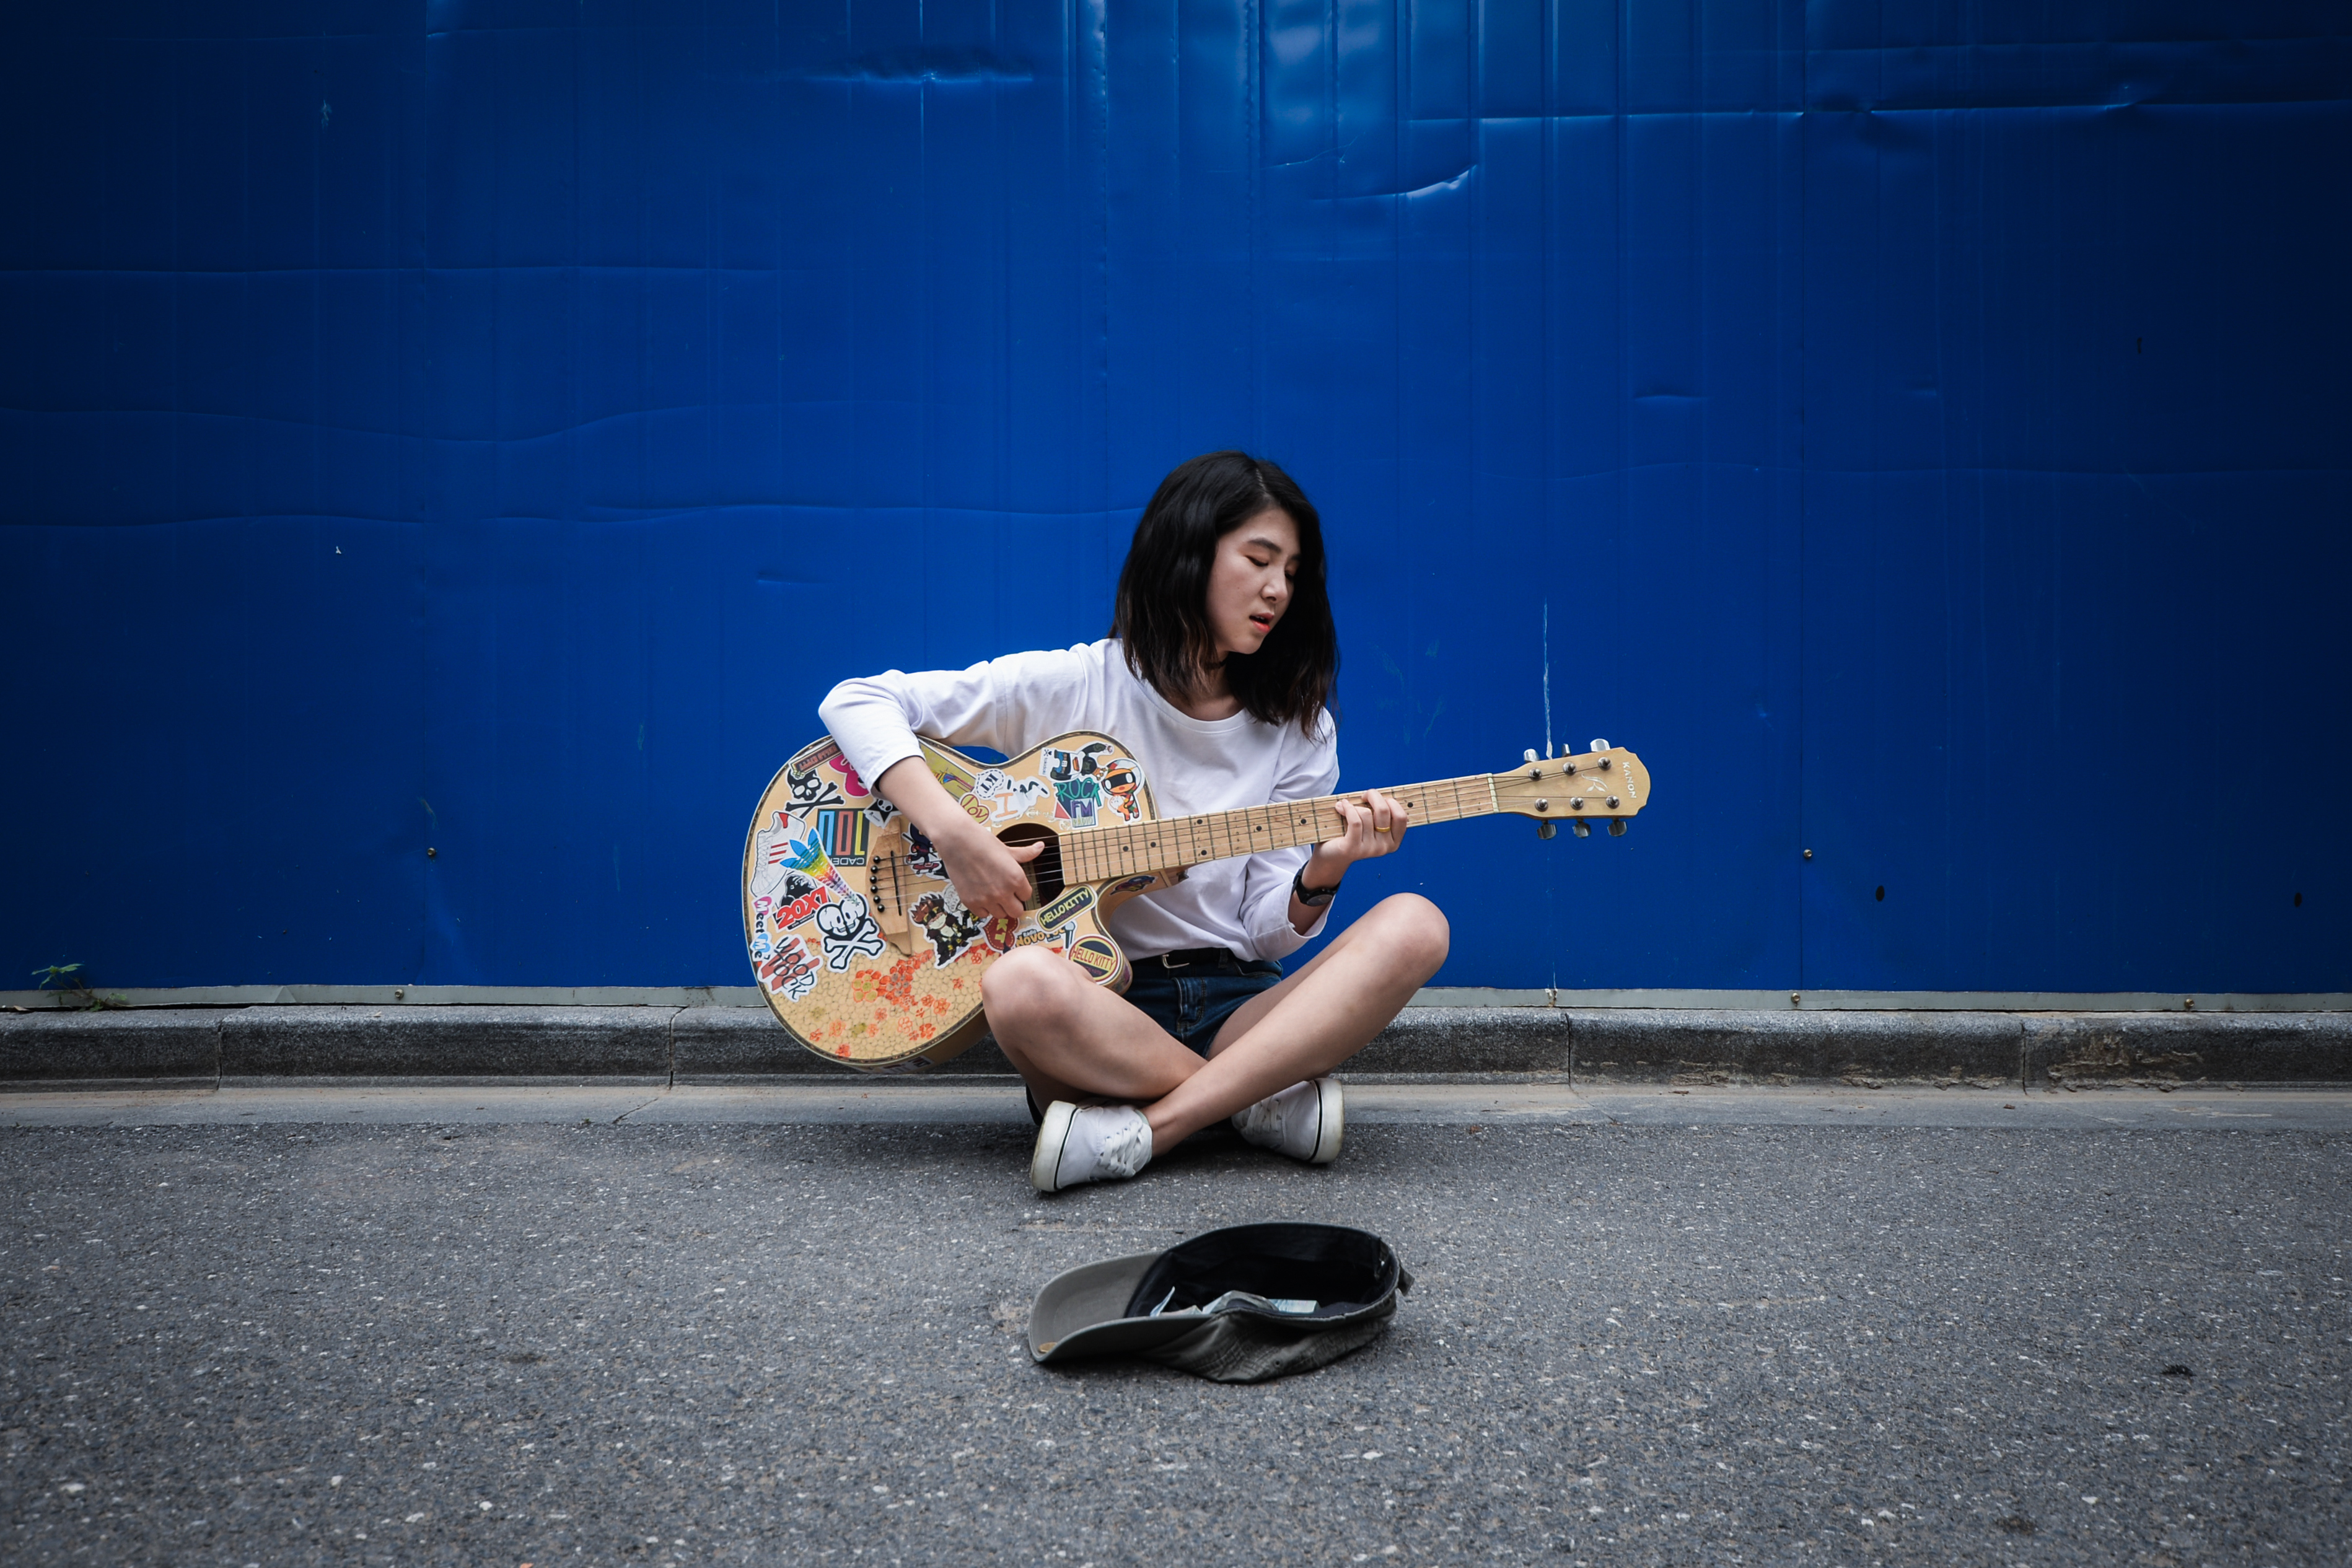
x=1045, y=870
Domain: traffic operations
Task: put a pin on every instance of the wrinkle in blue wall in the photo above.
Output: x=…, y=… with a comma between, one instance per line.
x=1920, y=432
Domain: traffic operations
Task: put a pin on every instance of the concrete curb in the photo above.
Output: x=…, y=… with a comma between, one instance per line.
x=1693, y=1048
x=175, y=1047
x=2246, y=1048
x=399, y=1042
x=736, y=1045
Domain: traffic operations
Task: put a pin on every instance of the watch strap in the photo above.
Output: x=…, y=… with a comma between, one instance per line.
x=1314, y=898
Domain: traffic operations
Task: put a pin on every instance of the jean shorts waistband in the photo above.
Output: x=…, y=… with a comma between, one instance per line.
x=1205, y=960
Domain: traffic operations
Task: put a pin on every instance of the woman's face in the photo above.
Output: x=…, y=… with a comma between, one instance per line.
x=1249, y=581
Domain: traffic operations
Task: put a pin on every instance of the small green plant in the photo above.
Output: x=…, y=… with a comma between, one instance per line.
x=72, y=989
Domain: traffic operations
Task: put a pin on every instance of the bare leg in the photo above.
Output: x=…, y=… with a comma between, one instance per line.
x=1069, y=1037
x=1312, y=1021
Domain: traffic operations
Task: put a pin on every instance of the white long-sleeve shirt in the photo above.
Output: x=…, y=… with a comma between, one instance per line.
x=1192, y=765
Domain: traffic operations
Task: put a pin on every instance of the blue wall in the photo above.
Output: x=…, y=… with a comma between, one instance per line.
x=1919, y=430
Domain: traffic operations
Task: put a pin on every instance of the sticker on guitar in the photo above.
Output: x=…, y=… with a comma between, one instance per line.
x=788, y=848
x=1122, y=780
x=790, y=970
x=1097, y=956
x=1062, y=766
x=825, y=782
x=923, y=856
x=954, y=930
x=850, y=933
x=843, y=831
x=1075, y=800
x=1057, y=940
x=1006, y=798
x=1060, y=911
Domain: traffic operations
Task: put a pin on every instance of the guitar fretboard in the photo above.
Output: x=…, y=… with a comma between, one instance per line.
x=1136, y=848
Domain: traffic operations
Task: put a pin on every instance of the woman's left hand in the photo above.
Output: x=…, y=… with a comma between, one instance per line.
x=1375, y=828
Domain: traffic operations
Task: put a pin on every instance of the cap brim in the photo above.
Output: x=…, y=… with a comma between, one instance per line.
x=1078, y=1313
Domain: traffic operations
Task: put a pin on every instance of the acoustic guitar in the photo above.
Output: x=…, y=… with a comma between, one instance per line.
x=868, y=958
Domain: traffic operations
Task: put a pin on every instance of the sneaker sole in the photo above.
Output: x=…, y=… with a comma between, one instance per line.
x=1052, y=1131
x=1332, y=1104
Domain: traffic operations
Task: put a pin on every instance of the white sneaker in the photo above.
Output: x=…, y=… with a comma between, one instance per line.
x=1088, y=1143
x=1303, y=1121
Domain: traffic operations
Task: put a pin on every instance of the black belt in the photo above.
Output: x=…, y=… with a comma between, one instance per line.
x=1207, y=959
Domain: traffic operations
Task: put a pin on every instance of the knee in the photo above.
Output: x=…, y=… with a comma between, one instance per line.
x=1023, y=985
x=1417, y=932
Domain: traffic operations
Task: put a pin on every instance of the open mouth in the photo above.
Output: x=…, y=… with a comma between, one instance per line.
x=1262, y=622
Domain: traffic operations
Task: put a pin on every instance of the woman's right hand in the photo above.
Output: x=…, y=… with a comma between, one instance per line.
x=989, y=874
x=985, y=871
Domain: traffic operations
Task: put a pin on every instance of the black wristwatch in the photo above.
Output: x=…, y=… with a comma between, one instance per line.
x=1314, y=898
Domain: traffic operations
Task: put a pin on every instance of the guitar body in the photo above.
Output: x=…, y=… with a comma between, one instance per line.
x=859, y=943
x=869, y=959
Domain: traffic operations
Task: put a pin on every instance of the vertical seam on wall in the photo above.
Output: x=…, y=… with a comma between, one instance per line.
x=999, y=481
x=317, y=308
x=1254, y=141
x=1547, y=218
x=1400, y=142
x=1100, y=58
x=427, y=450
x=926, y=373
x=1805, y=171
x=1620, y=373
x=1475, y=110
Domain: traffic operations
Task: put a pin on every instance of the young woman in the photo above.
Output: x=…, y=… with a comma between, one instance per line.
x=1216, y=674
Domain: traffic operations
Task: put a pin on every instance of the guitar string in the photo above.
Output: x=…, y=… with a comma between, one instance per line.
x=1049, y=868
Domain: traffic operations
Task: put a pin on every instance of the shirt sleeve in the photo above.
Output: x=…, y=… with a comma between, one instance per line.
x=1313, y=769
x=1000, y=704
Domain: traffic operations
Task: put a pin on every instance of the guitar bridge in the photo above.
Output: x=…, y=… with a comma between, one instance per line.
x=886, y=889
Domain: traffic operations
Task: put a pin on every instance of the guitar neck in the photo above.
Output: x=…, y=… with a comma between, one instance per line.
x=1141, y=848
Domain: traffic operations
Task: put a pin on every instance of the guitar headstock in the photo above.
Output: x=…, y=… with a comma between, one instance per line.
x=1606, y=783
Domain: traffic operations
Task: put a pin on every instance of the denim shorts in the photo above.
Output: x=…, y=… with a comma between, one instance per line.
x=1194, y=992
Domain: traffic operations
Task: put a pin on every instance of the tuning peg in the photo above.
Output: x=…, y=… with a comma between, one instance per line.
x=1597, y=746
x=1581, y=830
x=1616, y=827
x=1528, y=755
x=1546, y=830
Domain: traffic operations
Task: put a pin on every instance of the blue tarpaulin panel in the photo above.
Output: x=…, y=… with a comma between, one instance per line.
x=1920, y=432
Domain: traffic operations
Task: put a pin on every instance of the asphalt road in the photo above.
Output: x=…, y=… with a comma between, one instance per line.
x=1717, y=1327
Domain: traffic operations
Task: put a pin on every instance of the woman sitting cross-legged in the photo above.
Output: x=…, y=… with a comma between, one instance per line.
x=1216, y=674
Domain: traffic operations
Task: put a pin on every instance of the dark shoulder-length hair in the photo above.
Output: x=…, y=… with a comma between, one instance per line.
x=1161, y=617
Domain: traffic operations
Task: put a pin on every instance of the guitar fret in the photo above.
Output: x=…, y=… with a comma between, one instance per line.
x=1103, y=853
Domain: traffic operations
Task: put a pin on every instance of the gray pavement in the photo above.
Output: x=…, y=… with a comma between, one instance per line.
x=996, y=1102
x=611, y=1324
